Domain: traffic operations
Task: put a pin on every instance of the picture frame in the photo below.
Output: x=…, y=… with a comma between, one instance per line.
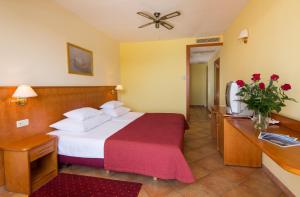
x=80, y=60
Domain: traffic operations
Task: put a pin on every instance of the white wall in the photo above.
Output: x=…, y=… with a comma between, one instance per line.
x=33, y=46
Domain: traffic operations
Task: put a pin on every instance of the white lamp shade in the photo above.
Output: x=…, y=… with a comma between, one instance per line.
x=24, y=91
x=244, y=34
x=119, y=87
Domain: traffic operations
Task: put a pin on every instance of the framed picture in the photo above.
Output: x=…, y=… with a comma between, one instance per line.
x=80, y=60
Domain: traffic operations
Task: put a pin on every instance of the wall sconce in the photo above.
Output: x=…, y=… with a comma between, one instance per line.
x=22, y=93
x=118, y=88
x=244, y=35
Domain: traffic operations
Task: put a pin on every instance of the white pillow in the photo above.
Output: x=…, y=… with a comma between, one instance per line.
x=116, y=112
x=82, y=113
x=111, y=105
x=72, y=125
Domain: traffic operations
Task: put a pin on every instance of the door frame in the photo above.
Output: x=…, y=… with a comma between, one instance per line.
x=217, y=82
x=206, y=86
x=188, y=53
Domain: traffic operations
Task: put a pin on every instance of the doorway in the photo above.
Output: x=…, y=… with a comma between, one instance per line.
x=205, y=51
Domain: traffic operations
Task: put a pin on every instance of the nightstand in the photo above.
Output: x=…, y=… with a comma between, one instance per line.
x=30, y=163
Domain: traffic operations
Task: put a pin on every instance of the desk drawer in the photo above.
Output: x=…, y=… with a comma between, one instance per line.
x=41, y=151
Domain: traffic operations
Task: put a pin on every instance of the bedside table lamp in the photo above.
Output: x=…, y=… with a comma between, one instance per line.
x=118, y=89
x=22, y=93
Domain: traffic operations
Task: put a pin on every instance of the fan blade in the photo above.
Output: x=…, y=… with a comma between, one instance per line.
x=166, y=25
x=146, y=25
x=146, y=15
x=171, y=15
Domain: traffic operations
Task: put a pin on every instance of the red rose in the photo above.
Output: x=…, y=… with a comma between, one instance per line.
x=256, y=77
x=240, y=83
x=261, y=86
x=274, y=77
x=286, y=87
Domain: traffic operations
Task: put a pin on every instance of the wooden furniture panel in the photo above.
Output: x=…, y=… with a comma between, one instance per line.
x=220, y=133
x=17, y=178
x=45, y=109
x=287, y=122
x=31, y=166
x=217, y=127
x=1, y=169
x=214, y=123
x=238, y=150
x=41, y=151
x=40, y=181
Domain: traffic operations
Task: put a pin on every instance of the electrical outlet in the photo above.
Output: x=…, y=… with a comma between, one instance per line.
x=22, y=123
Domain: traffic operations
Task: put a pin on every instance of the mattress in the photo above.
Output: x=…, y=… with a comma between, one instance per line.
x=91, y=144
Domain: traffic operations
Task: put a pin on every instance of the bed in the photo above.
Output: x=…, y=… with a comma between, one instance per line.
x=143, y=143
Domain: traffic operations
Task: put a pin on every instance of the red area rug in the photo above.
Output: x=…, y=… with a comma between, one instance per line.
x=70, y=185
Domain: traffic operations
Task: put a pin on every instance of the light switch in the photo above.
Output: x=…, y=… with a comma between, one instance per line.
x=22, y=123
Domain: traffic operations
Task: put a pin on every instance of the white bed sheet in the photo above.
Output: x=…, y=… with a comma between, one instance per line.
x=129, y=117
x=91, y=144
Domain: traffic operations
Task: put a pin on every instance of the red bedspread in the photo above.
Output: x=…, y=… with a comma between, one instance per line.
x=152, y=146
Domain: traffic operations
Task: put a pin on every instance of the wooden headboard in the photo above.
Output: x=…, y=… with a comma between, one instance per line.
x=45, y=109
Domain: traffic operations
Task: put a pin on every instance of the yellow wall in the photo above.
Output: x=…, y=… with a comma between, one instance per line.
x=153, y=75
x=198, y=84
x=33, y=45
x=273, y=47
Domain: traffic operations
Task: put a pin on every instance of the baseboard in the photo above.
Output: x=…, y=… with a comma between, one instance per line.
x=197, y=105
x=278, y=182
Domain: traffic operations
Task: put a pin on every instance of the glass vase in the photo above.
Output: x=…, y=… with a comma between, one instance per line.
x=261, y=121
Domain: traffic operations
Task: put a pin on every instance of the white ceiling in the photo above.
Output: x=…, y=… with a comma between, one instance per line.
x=118, y=18
x=203, y=54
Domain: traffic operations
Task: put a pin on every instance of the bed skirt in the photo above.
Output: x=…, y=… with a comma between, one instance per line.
x=92, y=162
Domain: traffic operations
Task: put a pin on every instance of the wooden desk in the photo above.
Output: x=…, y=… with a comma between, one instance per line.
x=287, y=158
x=30, y=163
x=238, y=142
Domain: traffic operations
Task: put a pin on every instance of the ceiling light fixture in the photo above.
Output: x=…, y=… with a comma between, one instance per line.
x=157, y=20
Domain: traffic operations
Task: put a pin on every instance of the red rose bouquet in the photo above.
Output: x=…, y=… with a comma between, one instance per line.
x=263, y=98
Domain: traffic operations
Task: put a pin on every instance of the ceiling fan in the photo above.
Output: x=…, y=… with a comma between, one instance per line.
x=157, y=20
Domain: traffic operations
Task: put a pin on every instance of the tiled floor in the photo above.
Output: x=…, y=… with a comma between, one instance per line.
x=213, y=178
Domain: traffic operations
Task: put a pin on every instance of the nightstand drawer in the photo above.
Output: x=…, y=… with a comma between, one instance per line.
x=41, y=151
